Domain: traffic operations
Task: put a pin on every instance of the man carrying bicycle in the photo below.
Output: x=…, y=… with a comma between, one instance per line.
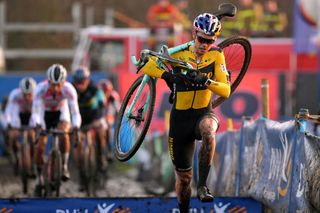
x=91, y=102
x=18, y=113
x=54, y=100
x=191, y=115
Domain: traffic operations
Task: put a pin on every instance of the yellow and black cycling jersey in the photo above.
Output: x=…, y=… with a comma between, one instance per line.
x=211, y=64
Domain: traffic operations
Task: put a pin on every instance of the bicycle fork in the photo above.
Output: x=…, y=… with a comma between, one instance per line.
x=142, y=110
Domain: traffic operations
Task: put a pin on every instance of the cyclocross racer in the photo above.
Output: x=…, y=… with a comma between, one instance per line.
x=191, y=115
x=18, y=113
x=54, y=100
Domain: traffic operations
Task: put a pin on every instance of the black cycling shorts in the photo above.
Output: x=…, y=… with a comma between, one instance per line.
x=184, y=130
x=24, y=118
x=51, y=119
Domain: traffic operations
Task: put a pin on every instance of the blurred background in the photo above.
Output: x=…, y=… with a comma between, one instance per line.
x=34, y=34
x=85, y=13
x=103, y=34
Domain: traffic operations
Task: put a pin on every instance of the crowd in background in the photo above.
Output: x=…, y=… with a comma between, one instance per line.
x=253, y=18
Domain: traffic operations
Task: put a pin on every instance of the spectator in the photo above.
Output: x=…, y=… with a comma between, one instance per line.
x=274, y=21
x=161, y=18
x=185, y=22
x=248, y=18
x=310, y=12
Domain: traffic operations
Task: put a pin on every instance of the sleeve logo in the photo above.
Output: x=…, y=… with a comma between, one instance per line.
x=223, y=68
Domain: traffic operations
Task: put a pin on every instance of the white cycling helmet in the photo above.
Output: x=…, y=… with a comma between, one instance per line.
x=207, y=24
x=27, y=85
x=56, y=73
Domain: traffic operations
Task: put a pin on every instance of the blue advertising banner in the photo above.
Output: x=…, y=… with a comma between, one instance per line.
x=271, y=146
x=305, y=193
x=223, y=174
x=299, y=181
x=277, y=165
x=126, y=205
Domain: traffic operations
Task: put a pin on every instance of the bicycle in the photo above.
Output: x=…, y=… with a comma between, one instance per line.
x=135, y=113
x=90, y=175
x=25, y=156
x=53, y=167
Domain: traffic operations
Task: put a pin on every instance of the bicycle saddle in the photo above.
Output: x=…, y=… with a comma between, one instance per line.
x=225, y=10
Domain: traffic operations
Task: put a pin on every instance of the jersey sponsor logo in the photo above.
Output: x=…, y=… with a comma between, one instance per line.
x=171, y=148
x=223, y=68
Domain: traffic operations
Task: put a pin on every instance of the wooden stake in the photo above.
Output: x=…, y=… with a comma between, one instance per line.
x=265, y=98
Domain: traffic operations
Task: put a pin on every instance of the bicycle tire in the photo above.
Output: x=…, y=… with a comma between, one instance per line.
x=129, y=133
x=56, y=173
x=93, y=170
x=84, y=168
x=53, y=176
x=237, y=51
x=25, y=161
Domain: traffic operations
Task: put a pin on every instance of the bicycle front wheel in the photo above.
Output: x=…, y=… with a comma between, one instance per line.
x=131, y=127
x=237, y=52
x=53, y=174
x=25, y=161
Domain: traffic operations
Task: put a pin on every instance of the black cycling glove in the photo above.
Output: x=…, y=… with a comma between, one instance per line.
x=197, y=78
x=173, y=78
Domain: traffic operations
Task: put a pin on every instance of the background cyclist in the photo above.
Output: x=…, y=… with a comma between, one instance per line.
x=18, y=113
x=112, y=107
x=91, y=102
x=191, y=115
x=54, y=100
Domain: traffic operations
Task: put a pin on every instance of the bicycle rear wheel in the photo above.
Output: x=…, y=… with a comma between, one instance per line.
x=92, y=170
x=131, y=129
x=237, y=52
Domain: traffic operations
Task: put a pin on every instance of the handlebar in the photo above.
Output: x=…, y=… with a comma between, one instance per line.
x=163, y=55
x=55, y=132
x=22, y=128
x=304, y=114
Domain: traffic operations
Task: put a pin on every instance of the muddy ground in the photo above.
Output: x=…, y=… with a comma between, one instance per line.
x=121, y=182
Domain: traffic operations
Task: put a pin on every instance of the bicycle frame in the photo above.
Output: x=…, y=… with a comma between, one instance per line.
x=52, y=176
x=143, y=83
x=146, y=78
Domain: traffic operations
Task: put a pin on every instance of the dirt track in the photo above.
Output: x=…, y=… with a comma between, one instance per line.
x=118, y=184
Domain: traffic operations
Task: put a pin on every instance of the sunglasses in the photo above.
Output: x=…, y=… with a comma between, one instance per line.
x=204, y=40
